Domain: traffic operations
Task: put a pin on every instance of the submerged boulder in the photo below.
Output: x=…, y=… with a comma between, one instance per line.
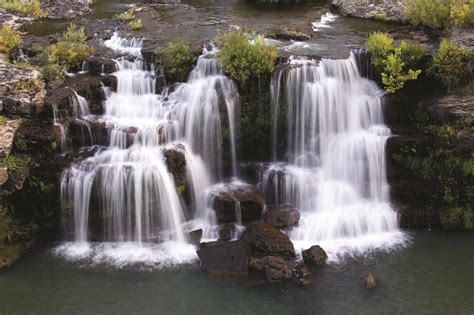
x=315, y=256
x=282, y=216
x=234, y=200
x=263, y=239
x=276, y=268
x=224, y=257
x=370, y=282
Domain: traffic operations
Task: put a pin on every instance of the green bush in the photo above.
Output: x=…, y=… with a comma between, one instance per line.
x=128, y=15
x=10, y=40
x=176, y=59
x=12, y=162
x=379, y=45
x=135, y=25
x=452, y=65
x=440, y=14
x=29, y=86
x=29, y=7
x=67, y=54
x=243, y=60
x=394, y=64
x=394, y=76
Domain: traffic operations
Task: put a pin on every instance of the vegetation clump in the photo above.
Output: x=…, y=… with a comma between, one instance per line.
x=129, y=18
x=176, y=59
x=395, y=64
x=13, y=162
x=66, y=55
x=29, y=86
x=10, y=40
x=440, y=14
x=29, y=7
x=243, y=58
x=452, y=65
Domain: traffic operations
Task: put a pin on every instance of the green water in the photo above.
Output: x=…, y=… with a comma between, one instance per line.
x=433, y=275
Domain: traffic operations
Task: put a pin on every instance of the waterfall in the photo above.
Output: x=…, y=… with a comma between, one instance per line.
x=335, y=171
x=127, y=184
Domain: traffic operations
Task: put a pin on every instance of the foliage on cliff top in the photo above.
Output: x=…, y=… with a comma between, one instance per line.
x=243, y=59
x=440, y=14
x=129, y=18
x=29, y=7
x=176, y=59
x=67, y=54
x=453, y=65
x=10, y=40
x=395, y=64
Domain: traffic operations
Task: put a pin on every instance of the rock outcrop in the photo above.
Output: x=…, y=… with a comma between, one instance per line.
x=315, y=256
x=236, y=202
x=386, y=10
x=61, y=9
x=263, y=239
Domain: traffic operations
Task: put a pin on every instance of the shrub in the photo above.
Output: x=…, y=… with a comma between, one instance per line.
x=379, y=45
x=394, y=76
x=3, y=120
x=176, y=59
x=12, y=162
x=243, y=60
x=411, y=52
x=135, y=25
x=128, y=15
x=67, y=54
x=451, y=220
x=29, y=86
x=10, y=40
x=29, y=7
x=452, y=65
x=439, y=14
x=394, y=63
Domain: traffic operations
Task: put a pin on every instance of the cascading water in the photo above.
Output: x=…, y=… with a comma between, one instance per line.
x=128, y=185
x=335, y=171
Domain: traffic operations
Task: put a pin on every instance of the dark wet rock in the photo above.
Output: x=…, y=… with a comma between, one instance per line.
x=224, y=257
x=386, y=10
x=15, y=182
x=195, y=236
x=256, y=263
x=229, y=197
x=110, y=81
x=175, y=160
x=263, y=239
x=287, y=34
x=301, y=270
x=315, y=256
x=276, y=268
x=370, y=282
x=226, y=232
x=282, y=216
x=99, y=65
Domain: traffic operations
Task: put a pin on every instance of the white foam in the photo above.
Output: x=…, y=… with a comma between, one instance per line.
x=324, y=22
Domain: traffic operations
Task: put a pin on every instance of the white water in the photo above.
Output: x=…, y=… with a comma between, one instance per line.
x=335, y=171
x=324, y=22
x=127, y=184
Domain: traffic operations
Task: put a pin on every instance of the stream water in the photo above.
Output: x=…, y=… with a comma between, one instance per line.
x=433, y=275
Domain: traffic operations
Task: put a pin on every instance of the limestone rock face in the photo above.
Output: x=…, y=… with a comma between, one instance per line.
x=7, y=134
x=391, y=10
x=21, y=90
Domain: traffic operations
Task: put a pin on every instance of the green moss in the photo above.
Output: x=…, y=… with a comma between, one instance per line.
x=242, y=59
x=181, y=189
x=176, y=59
x=3, y=120
x=13, y=162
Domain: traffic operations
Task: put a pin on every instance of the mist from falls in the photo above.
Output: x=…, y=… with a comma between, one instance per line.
x=127, y=184
x=335, y=170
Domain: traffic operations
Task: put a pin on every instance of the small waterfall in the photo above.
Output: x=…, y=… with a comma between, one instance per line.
x=335, y=171
x=127, y=184
x=324, y=22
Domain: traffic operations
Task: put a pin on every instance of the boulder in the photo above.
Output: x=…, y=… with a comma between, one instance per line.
x=315, y=256
x=195, y=236
x=387, y=10
x=287, y=34
x=175, y=160
x=224, y=257
x=236, y=202
x=282, y=216
x=262, y=239
x=276, y=268
x=98, y=65
x=370, y=282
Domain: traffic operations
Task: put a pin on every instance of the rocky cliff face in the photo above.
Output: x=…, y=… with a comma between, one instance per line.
x=430, y=158
x=28, y=169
